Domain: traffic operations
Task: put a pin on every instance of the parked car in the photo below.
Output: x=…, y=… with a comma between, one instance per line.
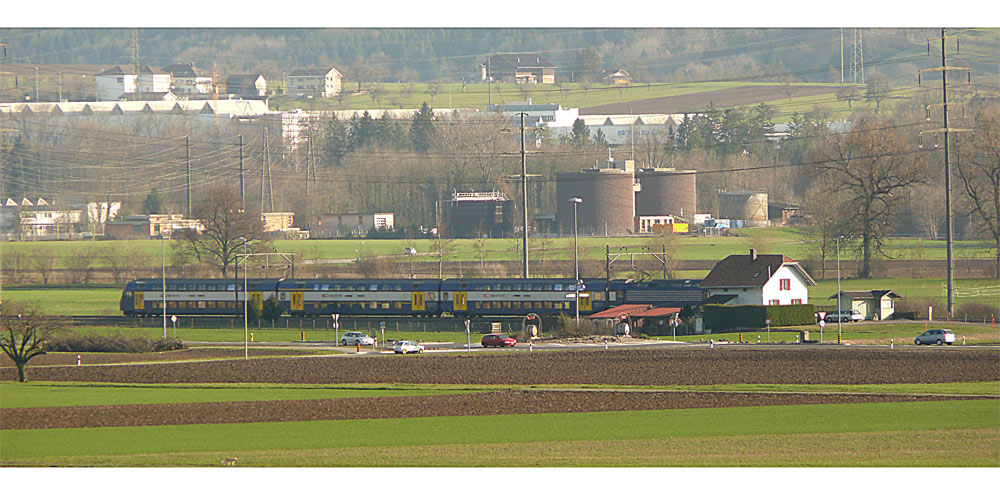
x=936, y=336
x=407, y=347
x=845, y=316
x=498, y=340
x=353, y=338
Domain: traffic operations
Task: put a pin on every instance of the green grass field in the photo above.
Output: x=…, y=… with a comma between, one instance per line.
x=869, y=333
x=965, y=433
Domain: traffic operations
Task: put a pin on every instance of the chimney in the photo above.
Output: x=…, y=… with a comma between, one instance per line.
x=753, y=255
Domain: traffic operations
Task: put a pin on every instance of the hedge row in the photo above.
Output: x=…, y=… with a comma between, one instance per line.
x=720, y=317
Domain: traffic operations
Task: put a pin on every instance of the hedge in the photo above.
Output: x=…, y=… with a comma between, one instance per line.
x=721, y=317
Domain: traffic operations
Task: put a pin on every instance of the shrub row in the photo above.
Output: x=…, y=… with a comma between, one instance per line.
x=111, y=343
x=720, y=317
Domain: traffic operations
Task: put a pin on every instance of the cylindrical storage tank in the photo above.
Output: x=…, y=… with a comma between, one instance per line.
x=750, y=206
x=666, y=192
x=608, y=201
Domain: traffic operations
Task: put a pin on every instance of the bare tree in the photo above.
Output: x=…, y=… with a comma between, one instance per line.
x=228, y=229
x=23, y=332
x=81, y=264
x=44, y=261
x=824, y=213
x=979, y=168
x=871, y=168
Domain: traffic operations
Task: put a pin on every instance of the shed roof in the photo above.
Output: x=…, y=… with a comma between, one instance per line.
x=619, y=311
x=867, y=294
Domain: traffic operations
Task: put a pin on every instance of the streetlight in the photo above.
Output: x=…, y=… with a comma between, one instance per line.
x=163, y=266
x=576, y=257
x=246, y=327
x=839, y=316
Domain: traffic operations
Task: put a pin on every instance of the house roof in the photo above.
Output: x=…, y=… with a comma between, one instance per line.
x=243, y=78
x=182, y=70
x=312, y=72
x=521, y=59
x=867, y=294
x=750, y=270
x=619, y=311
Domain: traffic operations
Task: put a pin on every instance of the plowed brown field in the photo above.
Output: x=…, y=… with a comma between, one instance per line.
x=627, y=367
x=474, y=404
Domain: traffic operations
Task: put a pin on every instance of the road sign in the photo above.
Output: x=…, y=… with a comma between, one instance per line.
x=822, y=315
x=767, y=321
x=336, y=320
x=822, y=323
x=173, y=318
x=467, y=324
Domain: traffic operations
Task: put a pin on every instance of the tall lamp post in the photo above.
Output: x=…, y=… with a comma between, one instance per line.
x=576, y=258
x=163, y=266
x=839, y=316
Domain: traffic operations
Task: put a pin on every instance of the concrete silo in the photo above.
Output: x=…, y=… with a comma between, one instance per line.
x=666, y=191
x=608, y=201
x=750, y=206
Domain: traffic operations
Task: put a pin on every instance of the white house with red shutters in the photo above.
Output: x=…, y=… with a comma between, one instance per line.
x=760, y=279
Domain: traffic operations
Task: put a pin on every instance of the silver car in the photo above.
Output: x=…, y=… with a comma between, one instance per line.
x=936, y=336
x=352, y=338
x=407, y=346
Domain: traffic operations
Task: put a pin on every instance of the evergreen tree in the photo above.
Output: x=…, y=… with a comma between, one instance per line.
x=422, y=129
x=153, y=203
x=334, y=143
x=579, y=134
x=363, y=132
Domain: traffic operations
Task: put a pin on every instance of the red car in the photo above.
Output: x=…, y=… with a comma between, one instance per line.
x=498, y=340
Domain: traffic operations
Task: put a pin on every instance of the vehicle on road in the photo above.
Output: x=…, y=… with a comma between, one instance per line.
x=936, y=336
x=354, y=338
x=407, y=347
x=844, y=316
x=498, y=340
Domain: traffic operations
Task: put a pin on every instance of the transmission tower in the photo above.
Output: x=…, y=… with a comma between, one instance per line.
x=857, y=59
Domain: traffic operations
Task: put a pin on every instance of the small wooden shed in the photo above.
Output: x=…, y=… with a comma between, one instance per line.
x=873, y=304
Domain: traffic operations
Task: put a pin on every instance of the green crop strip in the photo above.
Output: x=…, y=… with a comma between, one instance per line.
x=30, y=446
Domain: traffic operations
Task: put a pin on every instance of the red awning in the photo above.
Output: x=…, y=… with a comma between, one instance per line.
x=619, y=311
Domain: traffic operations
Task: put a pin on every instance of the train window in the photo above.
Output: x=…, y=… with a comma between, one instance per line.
x=445, y=296
x=200, y=287
x=558, y=287
x=415, y=286
x=201, y=304
x=517, y=304
x=315, y=286
x=548, y=286
x=210, y=304
x=506, y=287
x=598, y=296
x=516, y=287
x=506, y=305
x=171, y=286
x=230, y=287
x=397, y=287
x=397, y=305
x=548, y=304
x=385, y=305
x=476, y=305
x=465, y=285
x=566, y=305
x=324, y=287
x=373, y=287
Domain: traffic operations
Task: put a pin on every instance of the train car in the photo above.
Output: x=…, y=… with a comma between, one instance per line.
x=663, y=293
x=195, y=297
x=515, y=296
x=359, y=297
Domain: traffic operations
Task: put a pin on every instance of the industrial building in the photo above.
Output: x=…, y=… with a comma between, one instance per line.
x=477, y=214
x=666, y=191
x=608, y=206
x=749, y=206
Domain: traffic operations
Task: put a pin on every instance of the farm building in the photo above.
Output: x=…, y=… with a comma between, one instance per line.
x=477, y=214
x=518, y=68
x=873, y=304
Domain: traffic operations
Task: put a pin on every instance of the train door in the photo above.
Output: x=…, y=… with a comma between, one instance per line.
x=417, y=301
x=139, y=301
x=586, y=303
x=461, y=301
x=257, y=299
x=297, y=301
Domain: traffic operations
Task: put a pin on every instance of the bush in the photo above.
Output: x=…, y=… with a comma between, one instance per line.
x=917, y=306
x=977, y=311
x=272, y=309
x=111, y=343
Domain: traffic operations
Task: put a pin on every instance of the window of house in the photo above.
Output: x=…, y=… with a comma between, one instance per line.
x=786, y=284
x=796, y=301
x=774, y=302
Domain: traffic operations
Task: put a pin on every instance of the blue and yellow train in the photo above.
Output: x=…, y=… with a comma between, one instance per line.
x=402, y=297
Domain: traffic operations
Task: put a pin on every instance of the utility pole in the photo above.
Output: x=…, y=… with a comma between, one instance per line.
x=524, y=200
x=187, y=171
x=857, y=59
x=243, y=203
x=949, y=219
x=59, y=78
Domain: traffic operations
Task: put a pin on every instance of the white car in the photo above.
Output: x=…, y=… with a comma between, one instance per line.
x=354, y=338
x=407, y=347
x=845, y=316
x=936, y=336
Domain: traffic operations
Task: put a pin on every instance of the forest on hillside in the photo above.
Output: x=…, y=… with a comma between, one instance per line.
x=453, y=55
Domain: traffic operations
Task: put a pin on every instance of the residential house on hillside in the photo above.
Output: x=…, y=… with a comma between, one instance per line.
x=518, y=68
x=113, y=83
x=246, y=85
x=617, y=76
x=186, y=80
x=318, y=83
x=759, y=279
